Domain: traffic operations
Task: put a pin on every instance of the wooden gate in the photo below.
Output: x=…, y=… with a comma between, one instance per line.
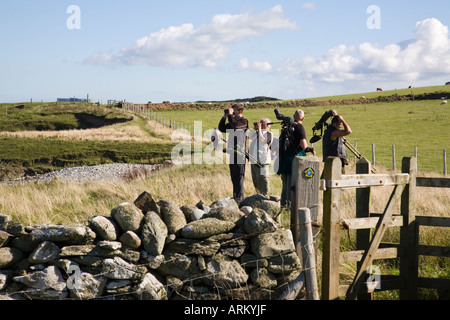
x=370, y=247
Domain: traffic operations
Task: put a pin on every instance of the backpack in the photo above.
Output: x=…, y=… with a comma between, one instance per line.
x=287, y=139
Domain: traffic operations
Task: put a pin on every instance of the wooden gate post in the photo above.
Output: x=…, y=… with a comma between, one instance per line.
x=308, y=254
x=409, y=263
x=305, y=186
x=331, y=224
x=363, y=211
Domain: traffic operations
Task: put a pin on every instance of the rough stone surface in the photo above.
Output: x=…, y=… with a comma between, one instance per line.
x=58, y=233
x=44, y=285
x=258, y=221
x=146, y=203
x=151, y=289
x=172, y=216
x=106, y=228
x=9, y=257
x=3, y=237
x=128, y=216
x=220, y=252
x=224, y=272
x=130, y=239
x=272, y=208
x=45, y=252
x=271, y=244
x=205, y=228
x=88, y=286
x=154, y=233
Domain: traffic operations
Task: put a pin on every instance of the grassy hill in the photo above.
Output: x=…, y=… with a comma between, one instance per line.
x=39, y=138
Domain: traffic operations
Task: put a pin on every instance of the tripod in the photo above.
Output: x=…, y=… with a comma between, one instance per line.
x=354, y=151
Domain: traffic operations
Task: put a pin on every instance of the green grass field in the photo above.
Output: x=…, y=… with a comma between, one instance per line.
x=422, y=124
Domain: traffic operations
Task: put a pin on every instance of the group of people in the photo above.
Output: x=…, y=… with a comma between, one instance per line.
x=234, y=123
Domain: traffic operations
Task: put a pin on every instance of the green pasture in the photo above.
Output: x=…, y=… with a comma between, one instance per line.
x=388, y=93
x=423, y=124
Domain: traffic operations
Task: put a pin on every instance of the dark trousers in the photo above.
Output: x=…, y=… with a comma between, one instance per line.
x=237, y=172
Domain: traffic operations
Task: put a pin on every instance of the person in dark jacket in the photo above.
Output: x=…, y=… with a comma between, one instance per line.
x=234, y=123
x=299, y=148
x=333, y=145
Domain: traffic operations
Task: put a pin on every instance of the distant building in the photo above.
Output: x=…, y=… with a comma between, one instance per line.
x=73, y=100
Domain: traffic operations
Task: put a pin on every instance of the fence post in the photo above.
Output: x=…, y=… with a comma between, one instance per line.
x=308, y=253
x=305, y=186
x=331, y=224
x=393, y=157
x=445, y=162
x=373, y=153
x=363, y=211
x=409, y=263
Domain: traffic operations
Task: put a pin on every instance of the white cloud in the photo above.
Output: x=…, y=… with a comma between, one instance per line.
x=425, y=56
x=205, y=46
x=429, y=52
x=309, y=5
x=260, y=66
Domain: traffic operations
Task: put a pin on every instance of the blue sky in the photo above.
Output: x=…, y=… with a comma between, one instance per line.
x=218, y=50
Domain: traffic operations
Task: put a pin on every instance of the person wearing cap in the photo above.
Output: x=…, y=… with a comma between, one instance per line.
x=261, y=141
x=333, y=145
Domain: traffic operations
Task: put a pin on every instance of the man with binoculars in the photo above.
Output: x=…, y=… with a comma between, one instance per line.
x=333, y=142
x=234, y=123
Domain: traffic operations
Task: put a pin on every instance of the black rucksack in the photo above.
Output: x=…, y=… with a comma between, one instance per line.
x=287, y=139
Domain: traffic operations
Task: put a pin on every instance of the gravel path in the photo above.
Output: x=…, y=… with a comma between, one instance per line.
x=105, y=172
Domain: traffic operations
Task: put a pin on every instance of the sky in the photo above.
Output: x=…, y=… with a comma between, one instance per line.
x=186, y=51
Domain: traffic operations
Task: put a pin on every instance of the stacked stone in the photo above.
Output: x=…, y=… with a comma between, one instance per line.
x=153, y=250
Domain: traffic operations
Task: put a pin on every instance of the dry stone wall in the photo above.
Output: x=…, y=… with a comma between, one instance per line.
x=153, y=250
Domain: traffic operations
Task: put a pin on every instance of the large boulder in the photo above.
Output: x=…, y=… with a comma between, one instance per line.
x=271, y=244
x=172, y=216
x=224, y=272
x=272, y=208
x=259, y=221
x=128, y=216
x=179, y=265
x=45, y=252
x=9, y=257
x=105, y=227
x=88, y=286
x=154, y=233
x=151, y=289
x=61, y=234
x=205, y=228
x=228, y=202
x=119, y=269
x=130, y=239
x=47, y=284
x=3, y=237
x=230, y=213
x=190, y=246
x=146, y=203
